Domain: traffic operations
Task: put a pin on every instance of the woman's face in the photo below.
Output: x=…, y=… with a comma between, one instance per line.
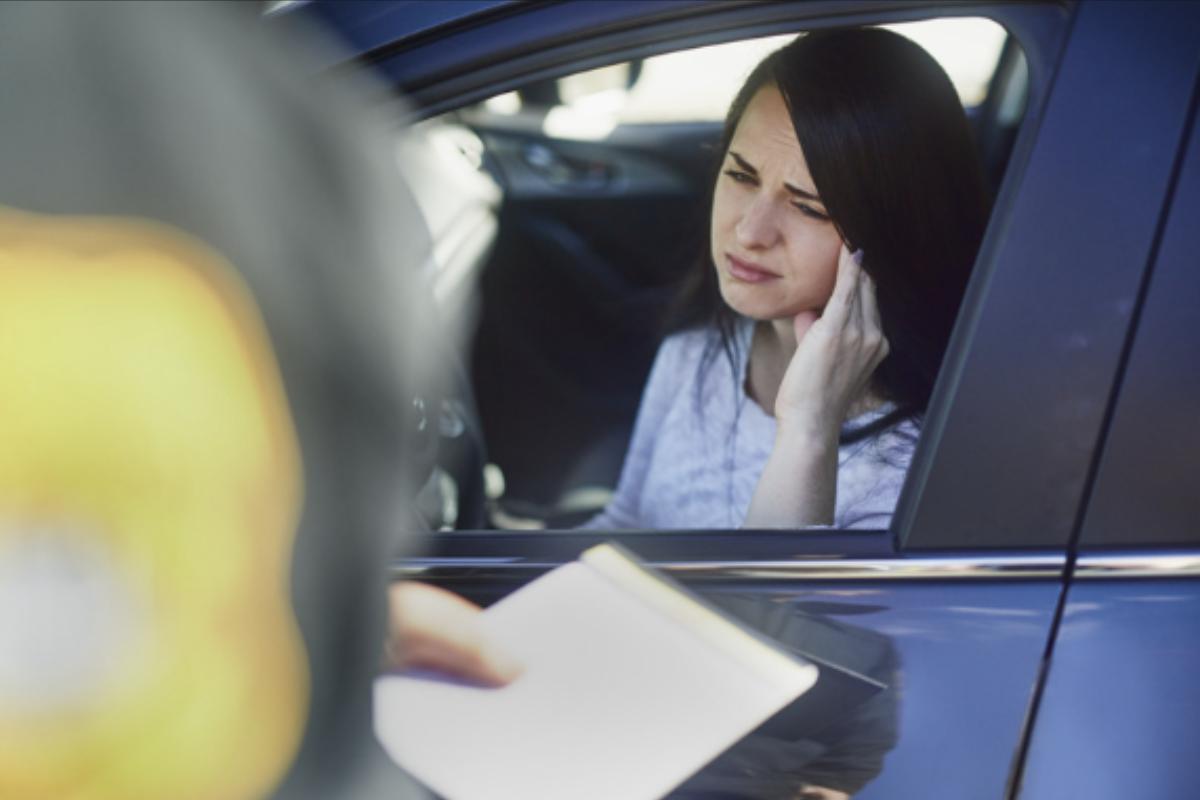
x=773, y=244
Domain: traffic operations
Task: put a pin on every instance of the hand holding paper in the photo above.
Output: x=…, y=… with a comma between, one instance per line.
x=630, y=685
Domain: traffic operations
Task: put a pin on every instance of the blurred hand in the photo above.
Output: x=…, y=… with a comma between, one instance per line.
x=431, y=628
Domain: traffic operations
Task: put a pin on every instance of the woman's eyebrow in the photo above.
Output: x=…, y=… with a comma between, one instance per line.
x=745, y=165
x=802, y=193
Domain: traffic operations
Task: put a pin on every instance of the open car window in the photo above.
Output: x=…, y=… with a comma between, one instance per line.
x=603, y=178
x=697, y=85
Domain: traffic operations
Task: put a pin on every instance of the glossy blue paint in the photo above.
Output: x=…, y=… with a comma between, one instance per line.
x=969, y=655
x=1121, y=713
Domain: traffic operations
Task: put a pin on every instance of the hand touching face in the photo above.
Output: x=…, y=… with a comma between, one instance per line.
x=838, y=350
x=773, y=244
x=836, y=355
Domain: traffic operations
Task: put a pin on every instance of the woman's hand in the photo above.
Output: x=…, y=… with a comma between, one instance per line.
x=430, y=628
x=836, y=354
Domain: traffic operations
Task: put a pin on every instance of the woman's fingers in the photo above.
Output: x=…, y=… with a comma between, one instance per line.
x=837, y=352
x=845, y=290
x=873, y=336
x=857, y=321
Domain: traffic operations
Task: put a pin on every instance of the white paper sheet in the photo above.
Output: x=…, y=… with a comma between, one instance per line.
x=616, y=701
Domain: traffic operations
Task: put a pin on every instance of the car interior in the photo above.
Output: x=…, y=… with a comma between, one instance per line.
x=564, y=216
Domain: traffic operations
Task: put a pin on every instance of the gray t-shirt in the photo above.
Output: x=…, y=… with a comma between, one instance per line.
x=700, y=444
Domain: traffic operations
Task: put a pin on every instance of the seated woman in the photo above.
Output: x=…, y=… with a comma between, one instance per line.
x=845, y=219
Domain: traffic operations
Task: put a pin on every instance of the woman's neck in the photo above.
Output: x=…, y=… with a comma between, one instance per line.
x=771, y=349
x=780, y=336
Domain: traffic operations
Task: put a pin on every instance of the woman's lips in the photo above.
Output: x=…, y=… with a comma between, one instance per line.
x=748, y=273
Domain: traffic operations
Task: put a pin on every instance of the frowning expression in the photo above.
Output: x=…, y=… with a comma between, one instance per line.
x=773, y=243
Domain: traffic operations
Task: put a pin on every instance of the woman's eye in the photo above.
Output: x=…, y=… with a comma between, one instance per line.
x=739, y=176
x=809, y=211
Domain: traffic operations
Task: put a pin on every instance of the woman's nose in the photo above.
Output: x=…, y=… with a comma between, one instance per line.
x=758, y=226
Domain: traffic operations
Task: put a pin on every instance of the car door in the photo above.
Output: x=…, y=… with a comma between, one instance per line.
x=1117, y=715
x=951, y=613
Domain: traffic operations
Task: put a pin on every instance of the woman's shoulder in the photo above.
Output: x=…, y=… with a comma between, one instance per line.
x=694, y=344
x=685, y=349
x=696, y=338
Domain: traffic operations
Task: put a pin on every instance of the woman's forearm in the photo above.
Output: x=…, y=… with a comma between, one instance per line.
x=835, y=357
x=798, y=486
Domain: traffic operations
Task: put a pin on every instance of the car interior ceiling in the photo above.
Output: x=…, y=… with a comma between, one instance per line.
x=563, y=257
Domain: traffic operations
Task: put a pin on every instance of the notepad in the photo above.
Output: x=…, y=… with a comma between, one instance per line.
x=631, y=684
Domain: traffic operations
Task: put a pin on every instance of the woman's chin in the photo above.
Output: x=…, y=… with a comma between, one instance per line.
x=759, y=309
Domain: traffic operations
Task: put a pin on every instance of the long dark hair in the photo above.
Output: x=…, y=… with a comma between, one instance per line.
x=891, y=153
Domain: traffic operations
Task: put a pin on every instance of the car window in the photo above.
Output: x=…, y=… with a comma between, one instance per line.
x=602, y=212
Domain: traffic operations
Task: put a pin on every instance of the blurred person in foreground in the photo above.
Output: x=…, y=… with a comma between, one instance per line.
x=208, y=318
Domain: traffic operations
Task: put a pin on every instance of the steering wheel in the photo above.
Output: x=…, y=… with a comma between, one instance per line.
x=449, y=443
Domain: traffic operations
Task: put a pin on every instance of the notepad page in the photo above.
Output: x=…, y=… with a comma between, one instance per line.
x=616, y=701
x=655, y=591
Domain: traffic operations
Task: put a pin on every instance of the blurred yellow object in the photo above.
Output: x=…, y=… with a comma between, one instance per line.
x=149, y=494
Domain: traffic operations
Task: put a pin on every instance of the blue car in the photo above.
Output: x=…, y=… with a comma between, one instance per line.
x=1029, y=625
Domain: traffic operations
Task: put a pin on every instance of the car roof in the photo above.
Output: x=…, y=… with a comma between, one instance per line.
x=366, y=25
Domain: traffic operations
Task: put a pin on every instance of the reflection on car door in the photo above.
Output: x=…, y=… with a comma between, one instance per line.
x=927, y=664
